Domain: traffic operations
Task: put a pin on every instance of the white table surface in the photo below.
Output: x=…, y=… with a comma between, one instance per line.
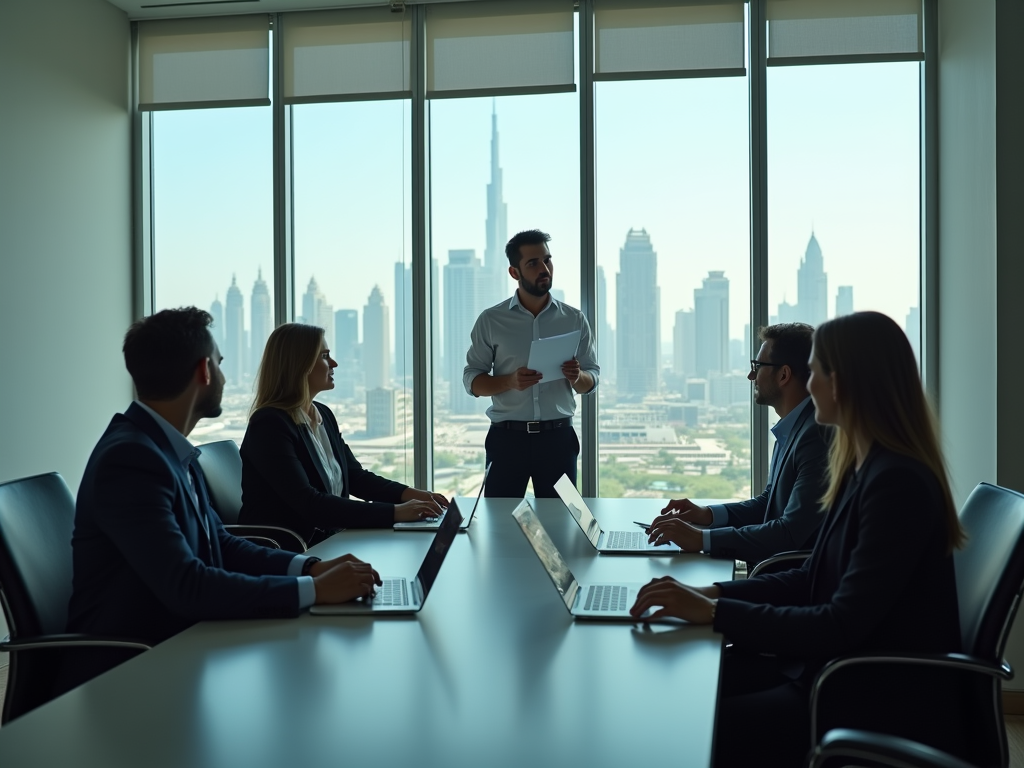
x=492, y=672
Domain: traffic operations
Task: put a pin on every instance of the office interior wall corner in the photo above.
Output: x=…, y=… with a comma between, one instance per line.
x=65, y=231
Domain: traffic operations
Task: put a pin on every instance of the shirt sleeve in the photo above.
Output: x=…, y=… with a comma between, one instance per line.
x=719, y=515
x=480, y=357
x=307, y=592
x=587, y=355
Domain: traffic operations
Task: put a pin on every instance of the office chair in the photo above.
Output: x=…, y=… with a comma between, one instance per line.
x=783, y=561
x=989, y=583
x=842, y=747
x=37, y=516
x=221, y=464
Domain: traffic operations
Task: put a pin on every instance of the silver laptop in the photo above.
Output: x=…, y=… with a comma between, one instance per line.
x=403, y=594
x=607, y=542
x=435, y=523
x=608, y=602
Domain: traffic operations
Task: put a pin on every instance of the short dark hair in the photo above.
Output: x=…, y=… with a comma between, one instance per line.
x=791, y=345
x=161, y=351
x=526, y=237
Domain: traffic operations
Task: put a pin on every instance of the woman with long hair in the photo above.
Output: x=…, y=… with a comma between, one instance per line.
x=297, y=471
x=880, y=578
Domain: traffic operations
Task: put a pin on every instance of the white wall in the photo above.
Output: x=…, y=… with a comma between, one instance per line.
x=65, y=231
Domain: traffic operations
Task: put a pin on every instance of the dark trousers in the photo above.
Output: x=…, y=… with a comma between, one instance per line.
x=515, y=457
x=763, y=715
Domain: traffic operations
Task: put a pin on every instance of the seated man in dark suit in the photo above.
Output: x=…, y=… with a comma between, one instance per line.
x=150, y=556
x=787, y=514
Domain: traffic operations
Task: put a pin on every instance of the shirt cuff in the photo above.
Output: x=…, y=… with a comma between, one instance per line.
x=719, y=516
x=307, y=592
x=706, y=545
x=295, y=566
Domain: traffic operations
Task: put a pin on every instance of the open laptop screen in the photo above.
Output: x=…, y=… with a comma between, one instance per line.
x=439, y=547
x=578, y=508
x=545, y=548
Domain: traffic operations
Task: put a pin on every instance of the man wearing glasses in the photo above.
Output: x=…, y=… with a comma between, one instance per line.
x=786, y=515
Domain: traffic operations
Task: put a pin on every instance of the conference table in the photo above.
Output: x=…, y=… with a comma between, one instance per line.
x=492, y=672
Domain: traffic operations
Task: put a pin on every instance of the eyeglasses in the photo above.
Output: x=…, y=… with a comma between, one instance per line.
x=756, y=365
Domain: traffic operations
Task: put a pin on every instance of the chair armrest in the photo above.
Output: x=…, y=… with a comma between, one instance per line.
x=845, y=744
x=71, y=640
x=957, y=661
x=292, y=541
x=780, y=562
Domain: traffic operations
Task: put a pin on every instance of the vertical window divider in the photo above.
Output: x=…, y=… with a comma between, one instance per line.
x=284, y=209
x=142, y=193
x=758, y=41
x=929, y=287
x=588, y=238
x=422, y=357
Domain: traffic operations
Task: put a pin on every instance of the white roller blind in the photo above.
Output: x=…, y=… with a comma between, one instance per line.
x=220, y=61
x=640, y=39
x=493, y=48
x=345, y=55
x=844, y=30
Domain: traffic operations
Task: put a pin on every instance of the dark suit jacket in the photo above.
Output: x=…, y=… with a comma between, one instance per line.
x=787, y=514
x=284, y=484
x=143, y=565
x=879, y=579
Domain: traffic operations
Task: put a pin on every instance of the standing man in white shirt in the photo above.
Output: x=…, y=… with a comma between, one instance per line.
x=531, y=434
x=787, y=514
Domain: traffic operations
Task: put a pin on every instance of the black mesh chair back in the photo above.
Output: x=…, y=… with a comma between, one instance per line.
x=222, y=469
x=37, y=517
x=990, y=569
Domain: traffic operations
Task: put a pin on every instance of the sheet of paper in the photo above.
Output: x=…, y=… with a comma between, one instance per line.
x=547, y=355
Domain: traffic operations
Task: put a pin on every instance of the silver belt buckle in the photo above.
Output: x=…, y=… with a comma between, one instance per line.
x=532, y=427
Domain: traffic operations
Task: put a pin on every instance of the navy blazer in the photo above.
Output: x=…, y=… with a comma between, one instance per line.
x=787, y=514
x=879, y=578
x=143, y=564
x=283, y=482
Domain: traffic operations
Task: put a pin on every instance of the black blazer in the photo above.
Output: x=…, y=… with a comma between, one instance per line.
x=785, y=516
x=142, y=562
x=284, y=484
x=879, y=579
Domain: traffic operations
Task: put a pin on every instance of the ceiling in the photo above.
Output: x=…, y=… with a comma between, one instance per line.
x=164, y=9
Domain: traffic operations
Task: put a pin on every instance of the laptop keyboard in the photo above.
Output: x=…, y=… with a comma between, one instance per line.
x=604, y=597
x=625, y=540
x=392, y=592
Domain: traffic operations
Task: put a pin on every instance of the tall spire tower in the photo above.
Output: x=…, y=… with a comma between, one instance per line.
x=497, y=222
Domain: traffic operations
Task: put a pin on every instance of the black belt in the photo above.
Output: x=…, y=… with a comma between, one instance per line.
x=532, y=427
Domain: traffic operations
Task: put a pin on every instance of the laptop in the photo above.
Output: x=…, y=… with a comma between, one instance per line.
x=607, y=542
x=607, y=602
x=399, y=595
x=433, y=525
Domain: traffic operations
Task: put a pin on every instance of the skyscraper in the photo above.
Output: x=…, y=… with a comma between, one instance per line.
x=684, y=344
x=711, y=319
x=261, y=321
x=217, y=329
x=376, y=338
x=346, y=352
x=464, y=280
x=811, y=286
x=637, y=316
x=380, y=412
x=844, y=300
x=234, y=334
x=316, y=311
x=495, y=263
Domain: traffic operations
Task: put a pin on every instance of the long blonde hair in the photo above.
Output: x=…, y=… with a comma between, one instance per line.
x=879, y=390
x=281, y=382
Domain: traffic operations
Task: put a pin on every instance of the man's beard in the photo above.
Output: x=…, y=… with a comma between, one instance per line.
x=533, y=289
x=210, y=407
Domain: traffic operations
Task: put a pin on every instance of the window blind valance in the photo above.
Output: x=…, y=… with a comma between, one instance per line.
x=645, y=39
x=498, y=47
x=841, y=31
x=219, y=61
x=345, y=55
